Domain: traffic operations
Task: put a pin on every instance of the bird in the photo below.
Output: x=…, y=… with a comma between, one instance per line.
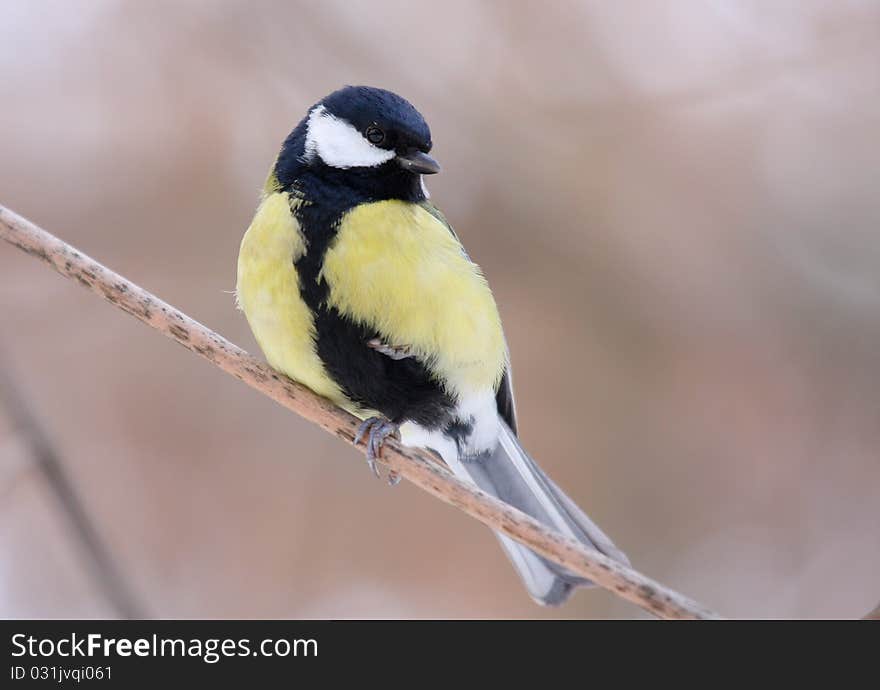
x=355, y=285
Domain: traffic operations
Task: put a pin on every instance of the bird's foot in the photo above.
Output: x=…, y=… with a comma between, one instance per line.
x=375, y=430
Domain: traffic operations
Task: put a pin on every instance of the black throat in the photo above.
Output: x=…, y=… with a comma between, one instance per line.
x=328, y=194
x=402, y=389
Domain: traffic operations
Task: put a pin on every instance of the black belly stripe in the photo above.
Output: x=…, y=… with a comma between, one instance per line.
x=402, y=390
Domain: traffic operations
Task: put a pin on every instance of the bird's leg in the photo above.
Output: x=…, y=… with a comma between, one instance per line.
x=376, y=430
x=392, y=351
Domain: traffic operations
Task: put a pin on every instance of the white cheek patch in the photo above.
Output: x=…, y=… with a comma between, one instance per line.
x=339, y=144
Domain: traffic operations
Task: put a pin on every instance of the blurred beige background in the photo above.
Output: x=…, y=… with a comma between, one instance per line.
x=676, y=204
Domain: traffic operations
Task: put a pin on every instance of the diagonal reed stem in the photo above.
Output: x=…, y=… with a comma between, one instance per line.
x=415, y=465
x=98, y=556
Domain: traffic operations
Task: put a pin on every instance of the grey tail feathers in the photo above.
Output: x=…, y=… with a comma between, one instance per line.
x=511, y=475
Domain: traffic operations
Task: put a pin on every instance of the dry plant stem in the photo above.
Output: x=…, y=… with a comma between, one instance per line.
x=416, y=466
x=99, y=558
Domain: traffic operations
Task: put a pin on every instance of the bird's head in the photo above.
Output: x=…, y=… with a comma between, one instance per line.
x=359, y=135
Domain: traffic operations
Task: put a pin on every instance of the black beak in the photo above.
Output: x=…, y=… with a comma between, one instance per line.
x=418, y=162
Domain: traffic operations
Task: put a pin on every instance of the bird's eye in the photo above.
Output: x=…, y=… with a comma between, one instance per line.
x=375, y=135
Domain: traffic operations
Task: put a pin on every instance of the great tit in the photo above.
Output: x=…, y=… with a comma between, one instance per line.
x=355, y=285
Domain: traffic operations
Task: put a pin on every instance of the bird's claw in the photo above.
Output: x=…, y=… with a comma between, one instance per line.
x=375, y=430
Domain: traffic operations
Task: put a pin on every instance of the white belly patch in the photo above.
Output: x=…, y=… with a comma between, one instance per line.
x=475, y=433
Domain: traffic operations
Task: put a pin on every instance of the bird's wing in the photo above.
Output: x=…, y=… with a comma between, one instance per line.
x=504, y=400
x=438, y=214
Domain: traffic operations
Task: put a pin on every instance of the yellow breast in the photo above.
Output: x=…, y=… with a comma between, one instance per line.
x=398, y=269
x=268, y=294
